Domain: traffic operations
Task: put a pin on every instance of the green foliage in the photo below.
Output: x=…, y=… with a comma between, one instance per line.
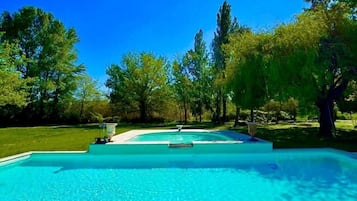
x=225, y=26
x=140, y=84
x=47, y=49
x=282, y=110
x=291, y=107
x=192, y=80
x=349, y=102
x=337, y=58
x=183, y=87
x=274, y=65
x=13, y=87
x=312, y=59
x=273, y=106
x=196, y=69
x=86, y=93
x=292, y=68
x=246, y=67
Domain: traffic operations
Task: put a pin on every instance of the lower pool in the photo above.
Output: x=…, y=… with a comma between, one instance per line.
x=298, y=175
x=184, y=137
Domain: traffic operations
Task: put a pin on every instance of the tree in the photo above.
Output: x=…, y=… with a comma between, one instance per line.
x=337, y=57
x=221, y=37
x=225, y=26
x=49, y=59
x=312, y=59
x=196, y=61
x=86, y=93
x=139, y=84
x=183, y=87
x=246, y=67
x=294, y=69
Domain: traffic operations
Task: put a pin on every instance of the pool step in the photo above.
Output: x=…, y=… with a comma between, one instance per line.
x=180, y=145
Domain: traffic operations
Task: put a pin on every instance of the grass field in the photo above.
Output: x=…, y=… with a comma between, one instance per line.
x=16, y=140
x=305, y=135
x=75, y=138
x=48, y=138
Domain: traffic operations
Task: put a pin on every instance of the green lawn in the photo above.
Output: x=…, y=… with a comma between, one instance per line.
x=56, y=138
x=305, y=135
x=16, y=140
x=48, y=138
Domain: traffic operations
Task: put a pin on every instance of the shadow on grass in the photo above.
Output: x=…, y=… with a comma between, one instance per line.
x=300, y=137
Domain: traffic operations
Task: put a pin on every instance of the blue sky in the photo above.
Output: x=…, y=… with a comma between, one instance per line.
x=110, y=28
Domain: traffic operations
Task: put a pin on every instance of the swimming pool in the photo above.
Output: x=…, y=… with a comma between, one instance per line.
x=193, y=140
x=318, y=174
x=181, y=137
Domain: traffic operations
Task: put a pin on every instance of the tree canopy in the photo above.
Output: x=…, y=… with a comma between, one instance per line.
x=47, y=49
x=225, y=26
x=139, y=84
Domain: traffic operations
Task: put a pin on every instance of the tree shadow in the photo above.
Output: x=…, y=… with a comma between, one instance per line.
x=307, y=137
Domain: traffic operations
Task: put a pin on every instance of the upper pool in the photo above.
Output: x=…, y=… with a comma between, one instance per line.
x=191, y=140
x=181, y=137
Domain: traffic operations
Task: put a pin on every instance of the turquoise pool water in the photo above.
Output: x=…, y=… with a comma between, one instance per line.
x=184, y=137
x=281, y=175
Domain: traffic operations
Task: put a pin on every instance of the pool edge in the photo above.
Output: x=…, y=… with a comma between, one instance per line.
x=26, y=155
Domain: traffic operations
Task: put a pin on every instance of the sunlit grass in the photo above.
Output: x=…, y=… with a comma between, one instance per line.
x=49, y=138
x=16, y=140
x=345, y=124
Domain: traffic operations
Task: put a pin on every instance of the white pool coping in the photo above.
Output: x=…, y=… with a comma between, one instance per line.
x=25, y=155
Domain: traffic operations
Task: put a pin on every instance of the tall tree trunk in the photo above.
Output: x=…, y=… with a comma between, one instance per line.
x=180, y=114
x=218, y=108
x=200, y=110
x=81, y=111
x=143, y=111
x=236, y=118
x=325, y=119
x=325, y=105
x=55, y=114
x=224, y=100
x=41, y=109
x=252, y=115
x=185, y=111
